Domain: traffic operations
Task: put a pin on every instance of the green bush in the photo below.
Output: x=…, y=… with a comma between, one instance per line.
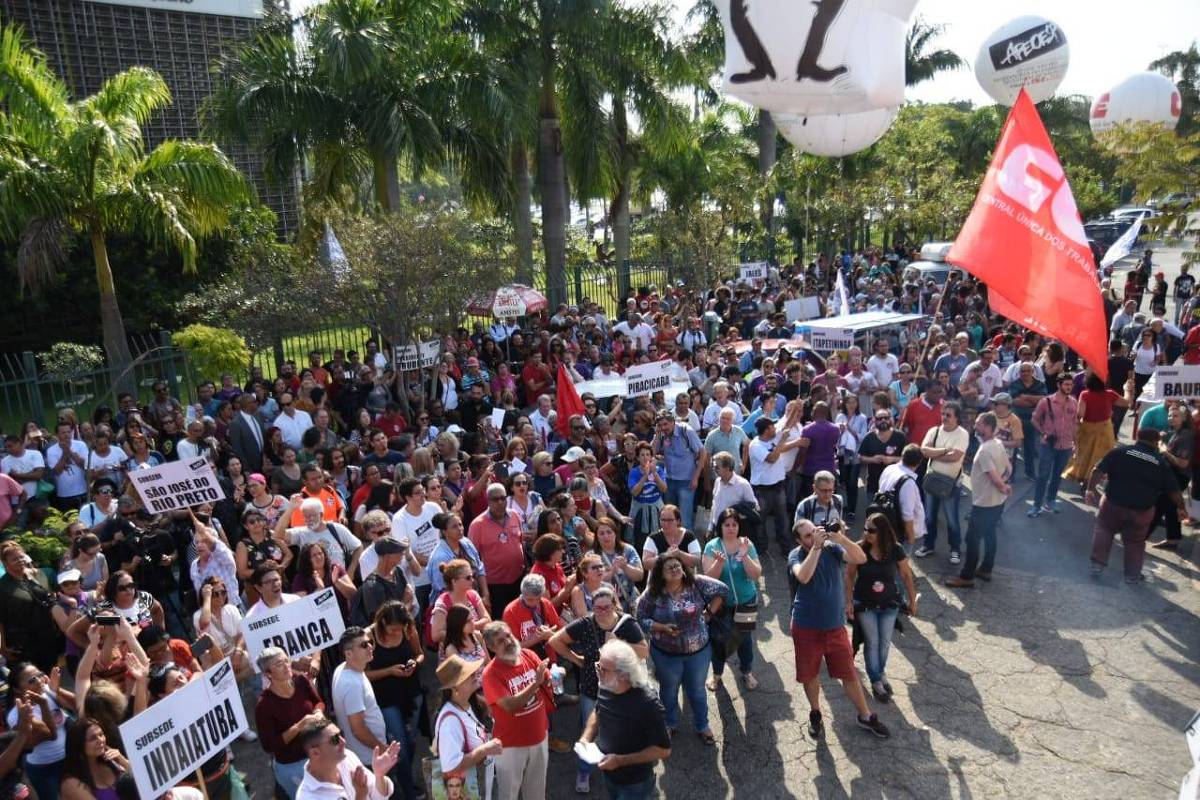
x=45, y=550
x=214, y=350
x=67, y=360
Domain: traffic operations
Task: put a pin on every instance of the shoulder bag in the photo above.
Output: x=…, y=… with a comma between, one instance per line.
x=745, y=615
x=469, y=783
x=939, y=484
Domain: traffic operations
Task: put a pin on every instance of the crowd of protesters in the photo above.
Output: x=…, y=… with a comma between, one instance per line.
x=500, y=573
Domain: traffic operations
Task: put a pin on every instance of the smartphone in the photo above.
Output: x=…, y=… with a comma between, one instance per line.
x=107, y=620
x=201, y=646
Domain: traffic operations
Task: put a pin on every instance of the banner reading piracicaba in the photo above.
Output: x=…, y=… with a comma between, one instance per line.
x=179, y=484
x=300, y=627
x=171, y=739
x=646, y=379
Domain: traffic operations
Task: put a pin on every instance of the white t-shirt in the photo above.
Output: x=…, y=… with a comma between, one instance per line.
x=53, y=750
x=763, y=472
x=28, y=462
x=113, y=461
x=883, y=369
x=224, y=629
x=91, y=515
x=420, y=534
x=337, y=547
x=352, y=693
x=1014, y=371
x=72, y=481
x=957, y=439
x=452, y=723
x=990, y=379
x=911, y=507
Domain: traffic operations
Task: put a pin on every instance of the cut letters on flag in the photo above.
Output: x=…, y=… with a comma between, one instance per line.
x=1024, y=239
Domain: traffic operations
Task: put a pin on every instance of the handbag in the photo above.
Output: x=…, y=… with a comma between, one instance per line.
x=745, y=615
x=939, y=484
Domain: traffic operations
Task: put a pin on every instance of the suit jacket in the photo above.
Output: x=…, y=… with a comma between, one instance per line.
x=244, y=445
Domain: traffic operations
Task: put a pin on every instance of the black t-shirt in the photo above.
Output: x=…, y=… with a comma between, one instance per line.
x=122, y=552
x=393, y=691
x=790, y=391
x=471, y=411
x=586, y=640
x=875, y=582
x=1184, y=285
x=629, y=723
x=567, y=444
x=1119, y=368
x=25, y=613
x=872, y=446
x=1137, y=475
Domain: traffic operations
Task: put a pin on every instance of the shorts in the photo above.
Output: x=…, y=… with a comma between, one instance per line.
x=833, y=645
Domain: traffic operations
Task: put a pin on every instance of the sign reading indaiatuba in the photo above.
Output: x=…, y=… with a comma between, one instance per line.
x=172, y=738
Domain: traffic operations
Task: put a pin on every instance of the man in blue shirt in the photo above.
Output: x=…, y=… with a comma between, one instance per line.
x=685, y=458
x=819, y=620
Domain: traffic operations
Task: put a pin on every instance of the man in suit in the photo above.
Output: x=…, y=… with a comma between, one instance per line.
x=246, y=434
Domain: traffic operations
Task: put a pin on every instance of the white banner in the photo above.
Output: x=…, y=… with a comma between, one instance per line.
x=177, y=485
x=508, y=304
x=415, y=356
x=755, y=272
x=617, y=386
x=825, y=340
x=303, y=626
x=224, y=8
x=802, y=308
x=646, y=379
x=1123, y=246
x=169, y=741
x=1176, y=383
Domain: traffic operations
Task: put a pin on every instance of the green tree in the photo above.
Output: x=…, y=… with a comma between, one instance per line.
x=1157, y=162
x=1183, y=67
x=82, y=167
x=921, y=63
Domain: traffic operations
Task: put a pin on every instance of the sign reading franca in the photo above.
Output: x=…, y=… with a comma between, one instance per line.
x=224, y=8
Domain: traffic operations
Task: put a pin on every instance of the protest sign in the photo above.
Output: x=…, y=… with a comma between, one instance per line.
x=177, y=485
x=826, y=340
x=415, y=356
x=300, y=627
x=497, y=418
x=1176, y=383
x=646, y=379
x=754, y=272
x=802, y=308
x=169, y=741
x=508, y=304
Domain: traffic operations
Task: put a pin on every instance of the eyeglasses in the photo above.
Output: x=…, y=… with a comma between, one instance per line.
x=520, y=483
x=122, y=587
x=104, y=491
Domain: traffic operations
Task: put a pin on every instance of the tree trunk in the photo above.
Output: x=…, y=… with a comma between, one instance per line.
x=767, y=154
x=619, y=212
x=552, y=184
x=386, y=177
x=522, y=218
x=111, y=322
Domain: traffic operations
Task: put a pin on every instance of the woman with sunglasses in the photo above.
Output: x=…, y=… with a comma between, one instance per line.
x=873, y=598
x=103, y=505
x=732, y=559
x=121, y=597
x=523, y=500
x=255, y=548
x=590, y=575
x=674, y=612
x=89, y=561
x=221, y=621
x=44, y=762
x=459, y=578
x=903, y=390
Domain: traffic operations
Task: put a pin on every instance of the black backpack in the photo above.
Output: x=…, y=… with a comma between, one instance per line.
x=888, y=504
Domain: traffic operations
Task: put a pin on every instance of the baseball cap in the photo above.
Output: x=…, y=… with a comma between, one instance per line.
x=387, y=546
x=1003, y=397
x=68, y=576
x=573, y=454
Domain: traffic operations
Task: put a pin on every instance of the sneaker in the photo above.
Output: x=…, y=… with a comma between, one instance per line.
x=1095, y=569
x=923, y=551
x=249, y=736
x=888, y=687
x=880, y=691
x=816, y=728
x=557, y=745
x=1052, y=507
x=583, y=783
x=1036, y=511
x=873, y=724
x=955, y=558
x=751, y=681
x=1141, y=576
x=712, y=683
x=1168, y=544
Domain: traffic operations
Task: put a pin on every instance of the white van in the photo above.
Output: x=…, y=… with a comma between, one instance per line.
x=933, y=265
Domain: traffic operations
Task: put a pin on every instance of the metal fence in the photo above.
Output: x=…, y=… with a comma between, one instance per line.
x=27, y=392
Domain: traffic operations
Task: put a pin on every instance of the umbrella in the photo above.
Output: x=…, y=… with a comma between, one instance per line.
x=508, y=302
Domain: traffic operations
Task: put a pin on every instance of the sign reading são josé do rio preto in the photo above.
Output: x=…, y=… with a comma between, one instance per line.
x=179, y=484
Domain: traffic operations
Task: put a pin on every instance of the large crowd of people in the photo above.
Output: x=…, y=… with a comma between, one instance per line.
x=502, y=569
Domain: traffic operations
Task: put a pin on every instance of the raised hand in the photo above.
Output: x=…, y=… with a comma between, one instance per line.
x=384, y=759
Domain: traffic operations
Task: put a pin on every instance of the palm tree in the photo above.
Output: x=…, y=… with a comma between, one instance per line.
x=82, y=167
x=919, y=65
x=1183, y=67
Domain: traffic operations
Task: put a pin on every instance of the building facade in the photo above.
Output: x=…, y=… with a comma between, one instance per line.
x=87, y=42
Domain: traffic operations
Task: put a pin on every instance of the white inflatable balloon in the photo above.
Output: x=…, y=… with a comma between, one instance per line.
x=1142, y=97
x=834, y=135
x=818, y=57
x=1029, y=51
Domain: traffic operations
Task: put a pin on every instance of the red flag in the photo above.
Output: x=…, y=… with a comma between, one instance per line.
x=567, y=402
x=1024, y=239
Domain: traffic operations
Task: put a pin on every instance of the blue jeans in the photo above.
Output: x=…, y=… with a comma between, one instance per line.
x=953, y=531
x=289, y=776
x=45, y=778
x=877, y=626
x=687, y=671
x=981, y=525
x=629, y=791
x=1051, y=463
x=745, y=654
x=586, y=705
x=681, y=493
x=399, y=729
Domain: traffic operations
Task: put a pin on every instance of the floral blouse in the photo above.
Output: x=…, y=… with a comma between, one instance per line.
x=685, y=610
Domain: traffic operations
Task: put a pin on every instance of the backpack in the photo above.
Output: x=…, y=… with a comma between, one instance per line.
x=888, y=504
x=808, y=510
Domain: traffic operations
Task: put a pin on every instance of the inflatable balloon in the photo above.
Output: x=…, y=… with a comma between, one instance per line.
x=835, y=135
x=818, y=57
x=1029, y=51
x=1142, y=97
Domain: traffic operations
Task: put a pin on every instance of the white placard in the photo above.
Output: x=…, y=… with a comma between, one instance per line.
x=757, y=271
x=498, y=418
x=300, y=627
x=415, y=356
x=169, y=741
x=600, y=388
x=516, y=466
x=802, y=308
x=646, y=379
x=177, y=485
x=508, y=304
x=1177, y=383
x=224, y=8
x=826, y=340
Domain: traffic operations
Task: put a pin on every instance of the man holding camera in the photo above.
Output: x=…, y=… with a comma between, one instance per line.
x=817, y=569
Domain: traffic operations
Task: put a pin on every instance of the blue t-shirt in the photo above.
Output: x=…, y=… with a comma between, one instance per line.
x=820, y=604
x=650, y=493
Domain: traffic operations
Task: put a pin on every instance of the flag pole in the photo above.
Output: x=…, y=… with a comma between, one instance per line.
x=928, y=335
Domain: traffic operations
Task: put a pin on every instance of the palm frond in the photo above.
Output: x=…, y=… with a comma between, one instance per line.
x=29, y=89
x=134, y=94
x=42, y=252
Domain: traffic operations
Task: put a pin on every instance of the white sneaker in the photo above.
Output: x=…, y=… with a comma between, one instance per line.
x=923, y=551
x=249, y=736
x=954, y=557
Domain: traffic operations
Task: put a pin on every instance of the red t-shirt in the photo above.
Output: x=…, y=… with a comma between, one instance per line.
x=523, y=620
x=1191, y=353
x=919, y=419
x=392, y=425
x=500, y=547
x=556, y=579
x=528, y=726
x=1099, y=404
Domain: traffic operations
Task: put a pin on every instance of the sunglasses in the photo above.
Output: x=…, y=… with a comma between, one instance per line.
x=220, y=592
x=336, y=739
x=365, y=645
x=122, y=587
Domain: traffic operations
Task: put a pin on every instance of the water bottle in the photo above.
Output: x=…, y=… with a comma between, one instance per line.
x=557, y=674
